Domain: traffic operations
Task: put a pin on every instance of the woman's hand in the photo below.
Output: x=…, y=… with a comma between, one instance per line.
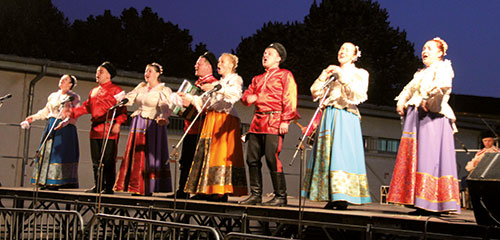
x=29, y=119
x=424, y=105
x=161, y=121
x=185, y=101
x=401, y=110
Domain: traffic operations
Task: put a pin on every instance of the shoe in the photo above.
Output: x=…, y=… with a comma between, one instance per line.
x=180, y=195
x=277, y=201
x=423, y=212
x=203, y=197
x=107, y=192
x=218, y=198
x=337, y=205
x=92, y=190
x=253, y=199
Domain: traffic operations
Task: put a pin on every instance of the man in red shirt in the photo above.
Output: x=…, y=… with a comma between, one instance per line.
x=205, y=69
x=100, y=100
x=274, y=94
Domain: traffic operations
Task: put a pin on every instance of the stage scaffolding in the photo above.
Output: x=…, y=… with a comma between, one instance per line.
x=159, y=218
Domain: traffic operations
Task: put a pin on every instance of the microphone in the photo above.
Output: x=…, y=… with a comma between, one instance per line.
x=332, y=78
x=5, y=97
x=215, y=89
x=120, y=103
x=68, y=99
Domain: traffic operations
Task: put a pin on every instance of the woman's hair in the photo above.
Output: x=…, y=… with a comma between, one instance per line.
x=234, y=60
x=157, y=67
x=442, y=45
x=72, y=79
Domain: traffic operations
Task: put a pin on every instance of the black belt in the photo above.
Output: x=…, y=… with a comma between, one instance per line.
x=270, y=112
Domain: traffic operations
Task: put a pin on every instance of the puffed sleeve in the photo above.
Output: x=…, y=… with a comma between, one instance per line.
x=442, y=82
x=317, y=89
x=407, y=91
x=165, y=102
x=231, y=91
x=132, y=95
x=44, y=112
x=355, y=87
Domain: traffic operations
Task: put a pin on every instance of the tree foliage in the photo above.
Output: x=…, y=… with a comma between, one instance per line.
x=35, y=28
x=313, y=45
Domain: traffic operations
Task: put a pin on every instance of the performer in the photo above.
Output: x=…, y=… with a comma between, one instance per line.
x=145, y=168
x=425, y=174
x=336, y=172
x=489, y=147
x=100, y=100
x=60, y=153
x=274, y=94
x=218, y=168
x=205, y=69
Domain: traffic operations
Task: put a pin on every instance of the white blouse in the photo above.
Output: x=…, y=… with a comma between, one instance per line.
x=432, y=84
x=345, y=93
x=224, y=99
x=152, y=103
x=53, y=106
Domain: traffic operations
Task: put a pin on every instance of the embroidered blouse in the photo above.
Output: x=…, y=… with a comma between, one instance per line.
x=53, y=106
x=432, y=84
x=346, y=92
x=224, y=99
x=153, y=102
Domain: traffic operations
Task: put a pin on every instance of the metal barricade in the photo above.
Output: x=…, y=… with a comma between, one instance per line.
x=16, y=223
x=110, y=227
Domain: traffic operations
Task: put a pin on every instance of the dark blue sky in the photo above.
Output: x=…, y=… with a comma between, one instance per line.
x=470, y=27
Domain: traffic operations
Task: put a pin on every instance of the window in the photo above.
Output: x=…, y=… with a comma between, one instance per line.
x=381, y=145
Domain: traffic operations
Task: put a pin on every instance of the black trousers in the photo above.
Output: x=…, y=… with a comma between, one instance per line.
x=268, y=145
x=109, y=162
x=187, y=155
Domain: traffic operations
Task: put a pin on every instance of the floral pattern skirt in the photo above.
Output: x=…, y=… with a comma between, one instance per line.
x=218, y=166
x=425, y=174
x=336, y=170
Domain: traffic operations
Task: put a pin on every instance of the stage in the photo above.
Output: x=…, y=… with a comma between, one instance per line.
x=371, y=221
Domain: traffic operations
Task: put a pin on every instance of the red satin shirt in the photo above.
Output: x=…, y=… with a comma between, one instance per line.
x=196, y=129
x=276, y=102
x=100, y=100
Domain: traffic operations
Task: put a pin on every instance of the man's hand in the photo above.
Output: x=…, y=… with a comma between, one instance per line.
x=251, y=98
x=283, y=128
x=115, y=130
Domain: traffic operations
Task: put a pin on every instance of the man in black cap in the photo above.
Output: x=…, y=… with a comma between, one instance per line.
x=205, y=69
x=100, y=100
x=488, y=139
x=274, y=94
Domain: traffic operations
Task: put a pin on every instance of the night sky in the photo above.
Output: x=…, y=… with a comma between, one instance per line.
x=470, y=27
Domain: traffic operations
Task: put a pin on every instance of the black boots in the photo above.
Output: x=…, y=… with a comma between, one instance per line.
x=255, y=187
x=279, y=185
x=182, y=182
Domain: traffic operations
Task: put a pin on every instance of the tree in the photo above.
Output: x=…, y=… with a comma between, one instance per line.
x=33, y=29
x=313, y=45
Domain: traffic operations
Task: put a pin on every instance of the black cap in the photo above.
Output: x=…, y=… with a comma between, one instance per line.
x=487, y=134
x=281, y=50
x=210, y=57
x=111, y=69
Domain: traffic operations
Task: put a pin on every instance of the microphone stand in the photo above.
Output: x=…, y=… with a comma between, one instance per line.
x=39, y=155
x=103, y=150
x=175, y=152
x=301, y=147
